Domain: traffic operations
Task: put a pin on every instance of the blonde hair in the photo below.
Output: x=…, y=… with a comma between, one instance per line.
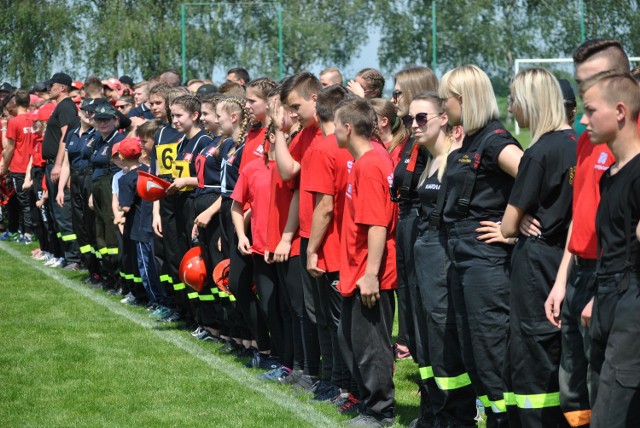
x=239, y=106
x=412, y=81
x=478, y=102
x=385, y=108
x=537, y=94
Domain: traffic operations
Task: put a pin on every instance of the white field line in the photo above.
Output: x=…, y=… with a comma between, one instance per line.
x=222, y=367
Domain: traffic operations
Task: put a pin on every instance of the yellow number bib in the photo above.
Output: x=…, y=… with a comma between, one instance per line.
x=166, y=155
x=181, y=170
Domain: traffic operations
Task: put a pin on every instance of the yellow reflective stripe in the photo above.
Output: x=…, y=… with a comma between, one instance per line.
x=206, y=297
x=510, y=399
x=223, y=294
x=193, y=295
x=537, y=401
x=498, y=406
x=123, y=275
x=113, y=251
x=59, y=235
x=485, y=400
x=137, y=280
x=98, y=255
x=165, y=278
x=86, y=249
x=103, y=250
x=71, y=237
x=455, y=382
x=232, y=298
x=426, y=372
x=179, y=286
x=215, y=291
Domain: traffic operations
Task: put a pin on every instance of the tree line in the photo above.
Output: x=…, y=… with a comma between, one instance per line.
x=142, y=37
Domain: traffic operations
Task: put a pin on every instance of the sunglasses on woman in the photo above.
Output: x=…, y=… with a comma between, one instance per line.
x=420, y=118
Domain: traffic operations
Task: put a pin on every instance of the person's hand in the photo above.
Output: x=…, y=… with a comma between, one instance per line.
x=491, y=233
x=553, y=305
x=312, y=265
x=278, y=115
x=369, y=287
x=90, y=202
x=178, y=184
x=137, y=121
x=27, y=183
x=585, y=317
x=203, y=219
x=355, y=88
x=60, y=197
x=55, y=173
x=156, y=225
x=530, y=226
x=281, y=254
x=244, y=246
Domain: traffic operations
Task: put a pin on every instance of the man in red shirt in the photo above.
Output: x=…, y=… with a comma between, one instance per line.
x=16, y=154
x=570, y=301
x=367, y=264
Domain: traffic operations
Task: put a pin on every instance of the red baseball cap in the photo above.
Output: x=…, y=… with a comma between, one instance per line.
x=130, y=148
x=115, y=149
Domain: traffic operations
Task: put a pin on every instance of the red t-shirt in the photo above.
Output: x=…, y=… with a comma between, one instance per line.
x=253, y=189
x=309, y=137
x=329, y=166
x=254, y=146
x=368, y=203
x=592, y=162
x=20, y=130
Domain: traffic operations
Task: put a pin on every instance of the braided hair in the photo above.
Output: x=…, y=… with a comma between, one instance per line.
x=262, y=87
x=238, y=105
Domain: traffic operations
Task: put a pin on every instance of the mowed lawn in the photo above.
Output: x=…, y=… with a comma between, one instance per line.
x=75, y=357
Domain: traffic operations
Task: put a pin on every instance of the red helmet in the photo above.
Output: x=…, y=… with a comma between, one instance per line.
x=6, y=191
x=192, y=271
x=151, y=188
x=221, y=276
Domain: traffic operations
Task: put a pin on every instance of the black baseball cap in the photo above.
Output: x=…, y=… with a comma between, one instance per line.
x=6, y=87
x=126, y=80
x=90, y=104
x=61, y=78
x=39, y=87
x=207, y=89
x=105, y=111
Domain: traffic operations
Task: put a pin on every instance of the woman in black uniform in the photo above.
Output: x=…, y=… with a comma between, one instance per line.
x=433, y=306
x=543, y=189
x=479, y=179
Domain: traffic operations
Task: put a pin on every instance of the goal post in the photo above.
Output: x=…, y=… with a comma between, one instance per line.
x=519, y=61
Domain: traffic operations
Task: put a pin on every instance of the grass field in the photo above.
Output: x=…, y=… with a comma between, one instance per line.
x=76, y=357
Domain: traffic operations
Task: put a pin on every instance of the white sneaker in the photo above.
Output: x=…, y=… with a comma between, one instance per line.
x=50, y=260
x=44, y=256
x=58, y=263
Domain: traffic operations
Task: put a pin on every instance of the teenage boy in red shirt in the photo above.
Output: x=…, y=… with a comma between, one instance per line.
x=300, y=95
x=367, y=265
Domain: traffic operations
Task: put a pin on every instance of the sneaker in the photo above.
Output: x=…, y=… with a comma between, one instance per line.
x=347, y=403
x=35, y=252
x=276, y=373
x=93, y=278
x=10, y=237
x=229, y=346
x=329, y=393
x=73, y=267
x=25, y=239
x=55, y=263
x=306, y=383
x=401, y=352
x=173, y=316
x=197, y=331
x=369, y=421
x=263, y=361
x=161, y=312
x=129, y=299
x=291, y=378
x=151, y=307
x=203, y=334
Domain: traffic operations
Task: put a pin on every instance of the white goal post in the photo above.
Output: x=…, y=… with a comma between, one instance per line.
x=516, y=68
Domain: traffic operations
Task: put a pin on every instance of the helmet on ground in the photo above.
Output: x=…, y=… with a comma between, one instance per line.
x=6, y=191
x=192, y=270
x=151, y=188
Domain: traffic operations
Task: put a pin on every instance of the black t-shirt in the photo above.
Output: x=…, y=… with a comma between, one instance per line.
x=65, y=114
x=209, y=165
x=138, y=219
x=428, y=194
x=616, y=192
x=492, y=186
x=544, y=184
x=401, y=169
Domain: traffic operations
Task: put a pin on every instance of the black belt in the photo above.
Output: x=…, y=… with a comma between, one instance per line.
x=585, y=263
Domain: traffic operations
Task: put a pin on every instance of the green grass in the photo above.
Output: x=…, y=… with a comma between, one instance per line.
x=75, y=357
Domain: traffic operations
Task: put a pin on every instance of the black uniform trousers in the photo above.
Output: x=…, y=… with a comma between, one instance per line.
x=314, y=323
x=83, y=218
x=62, y=222
x=480, y=290
x=106, y=232
x=533, y=396
x=406, y=235
x=269, y=304
x=615, y=352
x=575, y=370
x=365, y=339
x=451, y=396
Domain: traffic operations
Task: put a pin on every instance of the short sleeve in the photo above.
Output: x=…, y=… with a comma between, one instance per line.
x=495, y=146
x=12, y=129
x=372, y=199
x=322, y=169
x=67, y=115
x=127, y=195
x=528, y=184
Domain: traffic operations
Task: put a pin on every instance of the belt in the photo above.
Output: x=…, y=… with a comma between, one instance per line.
x=585, y=263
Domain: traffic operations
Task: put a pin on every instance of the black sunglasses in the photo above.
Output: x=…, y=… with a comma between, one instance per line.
x=420, y=118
